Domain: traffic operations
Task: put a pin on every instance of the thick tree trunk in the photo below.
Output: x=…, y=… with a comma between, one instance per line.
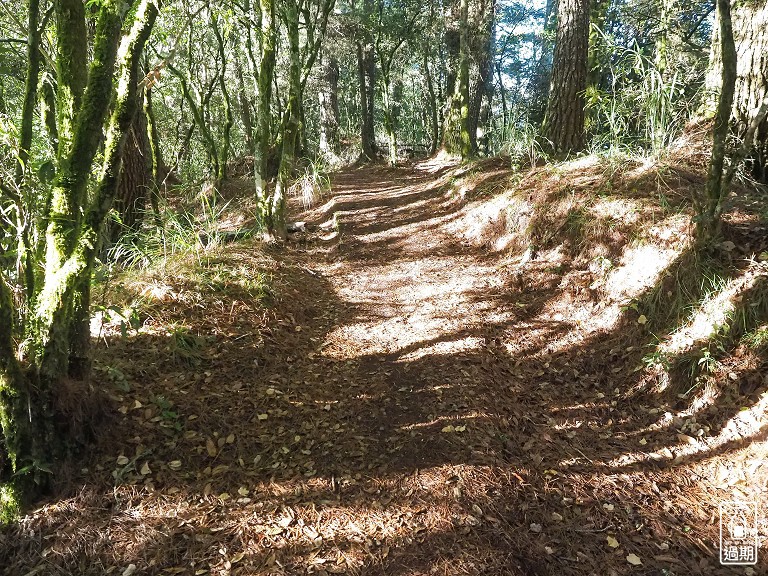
x=564, y=121
x=456, y=136
x=135, y=178
x=750, y=29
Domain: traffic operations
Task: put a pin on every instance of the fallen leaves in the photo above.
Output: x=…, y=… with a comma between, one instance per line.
x=634, y=559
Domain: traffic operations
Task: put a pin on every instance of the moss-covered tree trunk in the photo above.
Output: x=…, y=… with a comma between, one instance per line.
x=456, y=137
x=277, y=224
x=223, y=160
x=74, y=224
x=268, y=35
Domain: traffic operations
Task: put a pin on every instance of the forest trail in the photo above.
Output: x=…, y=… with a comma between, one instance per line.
x=412, y=407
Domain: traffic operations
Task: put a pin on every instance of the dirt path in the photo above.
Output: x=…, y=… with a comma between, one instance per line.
x=416, y=408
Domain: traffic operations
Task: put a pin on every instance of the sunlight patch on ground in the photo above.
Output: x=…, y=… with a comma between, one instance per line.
x=712, y=317
x=640, y=268
x=622, y=209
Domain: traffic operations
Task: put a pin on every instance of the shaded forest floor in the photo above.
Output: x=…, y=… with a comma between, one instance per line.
x=394, y=393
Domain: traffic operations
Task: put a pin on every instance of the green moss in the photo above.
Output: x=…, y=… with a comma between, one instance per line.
x=10, y=503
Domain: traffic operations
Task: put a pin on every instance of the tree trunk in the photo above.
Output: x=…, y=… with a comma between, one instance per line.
x=328, y=101
x=456, y=137
x=223, y=160
x=750, y=29
x=263, y=111
x=73, y=232
x=433, y=106
x=159, y=169
x=135, y=178
x=751, y=36
x=366, y=77
x=564, y=121
x=543, y=69
x=483, y=89
x=245, y=105
x=709, y=215
x=389, y=120
x=291, y=130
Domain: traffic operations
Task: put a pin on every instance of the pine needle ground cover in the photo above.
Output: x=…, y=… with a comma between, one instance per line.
x=453, y=370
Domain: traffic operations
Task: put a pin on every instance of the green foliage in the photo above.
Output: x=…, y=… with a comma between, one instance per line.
x=184, y=345
x=642, y=107
x=10, y=503
x=182, y=231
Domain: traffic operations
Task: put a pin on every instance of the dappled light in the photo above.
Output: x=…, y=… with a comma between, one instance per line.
x=420, y=407
x=383, y=287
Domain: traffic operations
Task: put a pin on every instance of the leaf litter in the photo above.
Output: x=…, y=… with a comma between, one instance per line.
x=386, y=410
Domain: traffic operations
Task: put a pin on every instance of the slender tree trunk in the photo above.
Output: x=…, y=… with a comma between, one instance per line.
x=223, y=160
x=264, y=115
x=245, y=105
x=25, y=141
x=277, y=224
x=159, y=169
x=709, y=216
x=389, y=121
x=661, y=57
x=543, y=70
x=365, y=75
x=329, y=109
x=564, y=121
x=483, y=89
x=433, y=106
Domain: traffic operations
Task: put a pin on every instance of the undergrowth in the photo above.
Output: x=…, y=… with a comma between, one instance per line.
x=10, y=503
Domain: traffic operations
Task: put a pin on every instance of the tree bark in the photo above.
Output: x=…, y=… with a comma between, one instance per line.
x=456, y=136
x=263, y=111
x=135, y=177
x=482, y=93
x=366, y=78
x=564, y=121
x=543, y=70
x=433, y=106
x=328, y=100
x=708, y=222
